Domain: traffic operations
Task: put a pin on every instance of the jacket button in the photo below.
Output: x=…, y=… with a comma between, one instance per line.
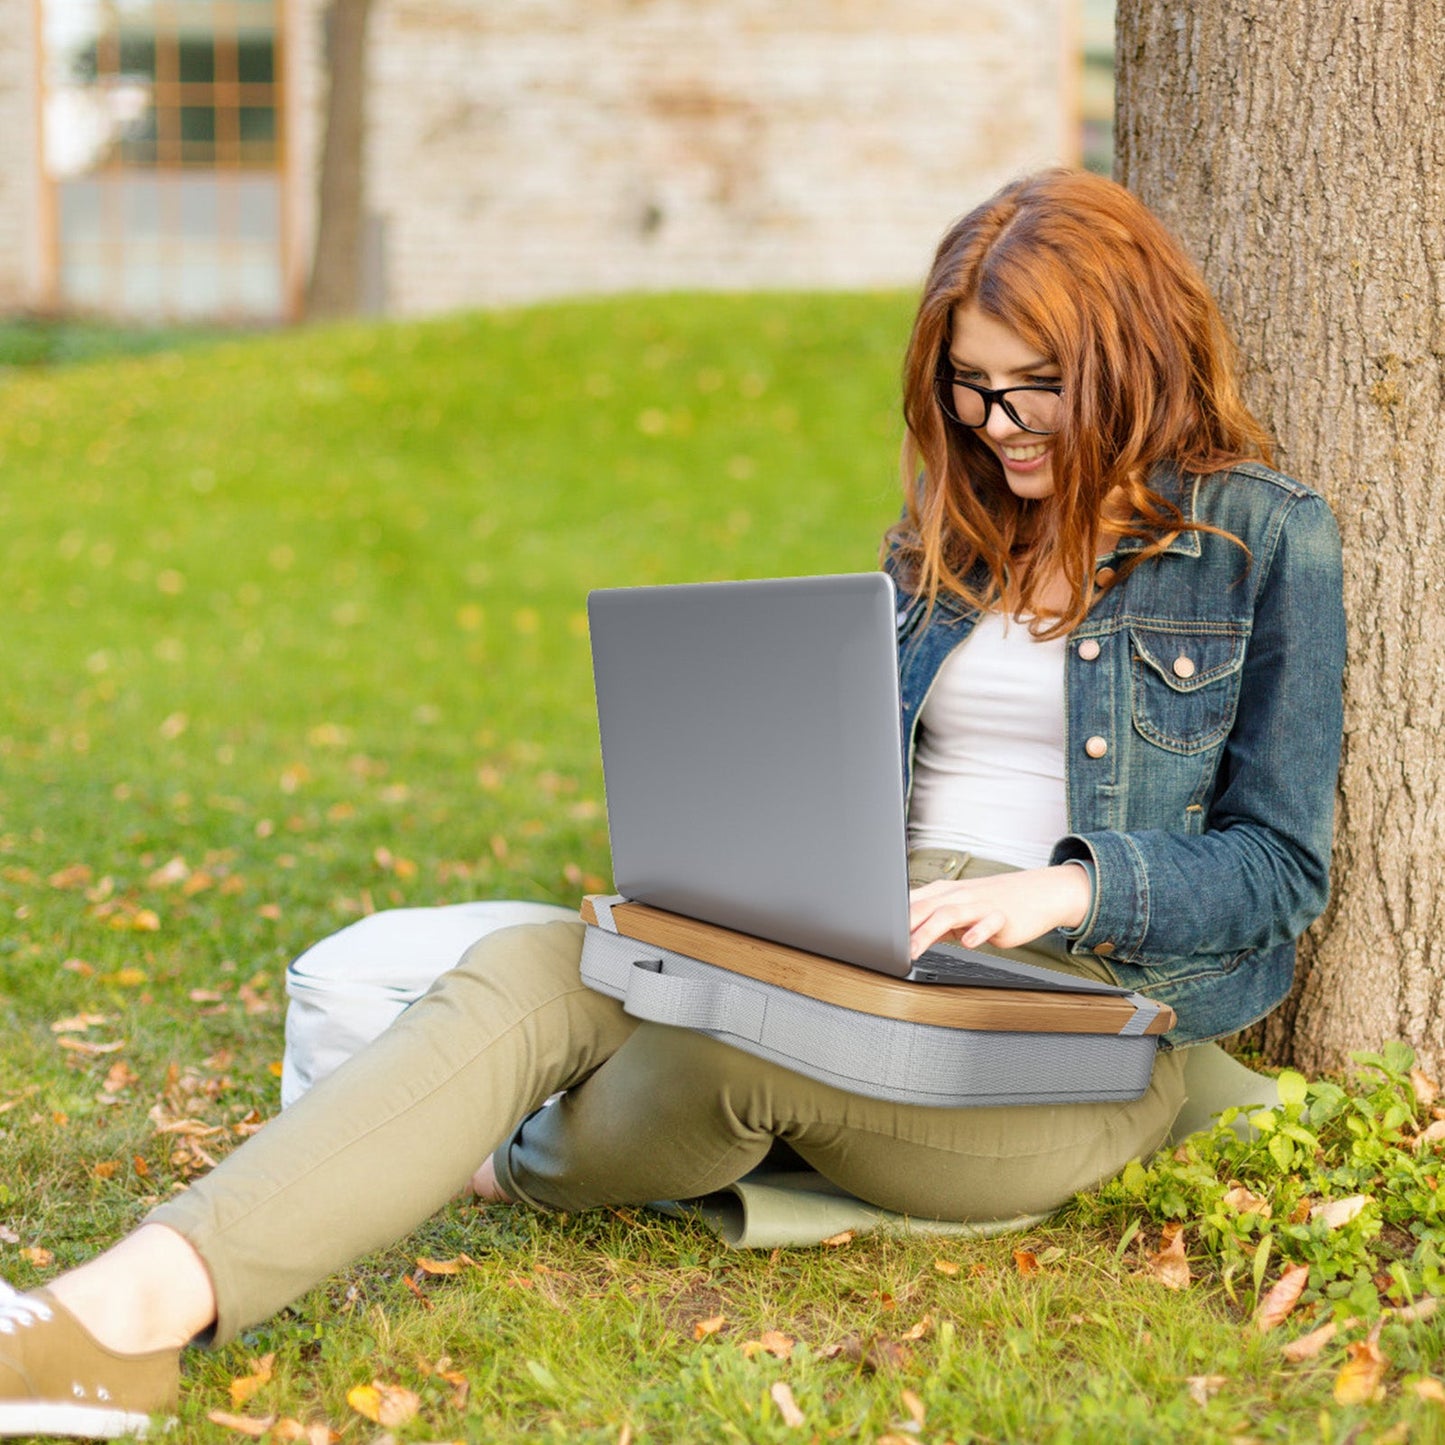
x=1184, y=666
x=1105, y=948
x=1103, y=577
x=1096, y=746
x=1089, y=649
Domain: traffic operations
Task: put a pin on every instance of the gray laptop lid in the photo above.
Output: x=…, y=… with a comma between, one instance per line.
x=752, y=758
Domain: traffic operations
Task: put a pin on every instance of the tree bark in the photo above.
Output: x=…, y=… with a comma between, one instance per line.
x=335, y=285
x=1298, y=150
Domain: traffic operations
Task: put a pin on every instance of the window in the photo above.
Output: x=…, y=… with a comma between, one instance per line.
x=162, y=140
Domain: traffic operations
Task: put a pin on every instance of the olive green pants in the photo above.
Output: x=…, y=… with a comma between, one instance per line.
x=649, y=1112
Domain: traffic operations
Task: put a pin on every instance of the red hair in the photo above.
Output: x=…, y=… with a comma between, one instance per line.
x=1081, y=270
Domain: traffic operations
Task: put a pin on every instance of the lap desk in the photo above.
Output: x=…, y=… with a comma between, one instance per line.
x=1071, y=1040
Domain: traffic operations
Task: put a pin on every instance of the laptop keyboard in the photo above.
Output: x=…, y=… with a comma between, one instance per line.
x=963, y=968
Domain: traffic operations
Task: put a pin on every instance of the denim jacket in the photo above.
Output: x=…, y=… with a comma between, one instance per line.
x=1202, y=743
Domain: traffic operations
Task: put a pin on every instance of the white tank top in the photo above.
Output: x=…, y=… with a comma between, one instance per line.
x=988, y=762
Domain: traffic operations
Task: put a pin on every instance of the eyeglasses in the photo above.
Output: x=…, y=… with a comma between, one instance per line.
x=1037, y=409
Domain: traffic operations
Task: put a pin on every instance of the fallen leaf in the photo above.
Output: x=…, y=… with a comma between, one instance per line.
x=1426, y=1089
x=253, y=1425
x=1337, y=1212
x=175, y=871
x=39, y=1256
x=920, y=1329
x=119, y=1077
x=839, y=1241
x=247, y=1385
x=385, y=1404
x=914, y=1405
x=1429, y=1389
x=1420, y=1310
x=288, y=1430
x=1201, y=1387
x=1431, y=1135
x=77, y=875
x=1243, y=1201
x=1308, y=1346
x=787, y=1405
x=710, y=1326
x=771, y=1342
x=78, y=1023
x=1169, y=1266
x=945, y=1266
x=439, y=1266
x=1026, y=1262
x=86, y=1047
x=1360, y=1375
x=1277, y=1304
x=8, y=1235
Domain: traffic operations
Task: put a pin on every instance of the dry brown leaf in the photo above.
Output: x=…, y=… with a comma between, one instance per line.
x=39, y=1256
x=245, y=1386
x=920, y=1329
x=710, y=1326
x=1420, y=1310
x=1277, y=1304
x=1433, y=1134
x=1308, y=1346
x=945, y=1266
x=771, y=1342
x=914, y=1405
x=1337, y=1212
x=76, y=875
x=253, y=1425
x=87, y=1048
x=78, y=1023
x=895, y=1440
x=1360, y=1375
x=8, y=1235
x=1429, y=1389
x=1244, y=1201
x=1026, y=1261
x=787, y=1405
x=440, y=1266
x=385, y=1404
x=1169, y=1266
x=1201, y=1387
x=1426, y=1089
x=317, y=1433
x=838, y=1241
x=119, y=1077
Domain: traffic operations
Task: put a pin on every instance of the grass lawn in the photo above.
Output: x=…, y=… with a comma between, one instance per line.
x=293, y=630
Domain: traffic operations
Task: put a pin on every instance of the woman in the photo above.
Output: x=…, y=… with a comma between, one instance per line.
x=1121, y=645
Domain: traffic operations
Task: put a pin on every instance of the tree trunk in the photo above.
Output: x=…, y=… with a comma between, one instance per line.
x=336, y=268
x=1297, y=147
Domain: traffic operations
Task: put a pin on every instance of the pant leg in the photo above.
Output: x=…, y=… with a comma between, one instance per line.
x=675, y=1114
x=397, y=1130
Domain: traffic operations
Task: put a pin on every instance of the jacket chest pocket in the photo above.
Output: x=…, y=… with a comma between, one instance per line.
x=1184, y=686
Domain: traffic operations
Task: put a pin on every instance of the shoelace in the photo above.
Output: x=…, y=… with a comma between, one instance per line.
x=18, y=1310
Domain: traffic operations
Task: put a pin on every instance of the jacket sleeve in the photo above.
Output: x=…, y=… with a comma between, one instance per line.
x=1258, y=875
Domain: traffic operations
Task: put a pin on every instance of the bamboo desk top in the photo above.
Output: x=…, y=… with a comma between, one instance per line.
x=1019, y=1010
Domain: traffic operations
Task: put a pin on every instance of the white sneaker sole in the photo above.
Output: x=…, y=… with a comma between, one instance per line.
x=86, y=1422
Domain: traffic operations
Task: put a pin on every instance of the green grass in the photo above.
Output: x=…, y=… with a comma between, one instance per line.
x=305, y=612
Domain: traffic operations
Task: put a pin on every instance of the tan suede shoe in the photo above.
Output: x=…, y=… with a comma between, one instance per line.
x=56, y=1379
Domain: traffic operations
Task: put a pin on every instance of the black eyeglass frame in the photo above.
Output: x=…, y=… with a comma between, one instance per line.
x=946, y=383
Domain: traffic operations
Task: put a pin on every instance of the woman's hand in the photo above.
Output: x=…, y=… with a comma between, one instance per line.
x=1006, y=909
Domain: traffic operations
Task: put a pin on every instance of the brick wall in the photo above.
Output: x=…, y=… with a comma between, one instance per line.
x=19, y=219
x=525, y=148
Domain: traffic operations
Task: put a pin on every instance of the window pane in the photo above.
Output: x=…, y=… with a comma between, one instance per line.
x=137, y=54
x=255, y=59
x=196, y=61
x=141, y=216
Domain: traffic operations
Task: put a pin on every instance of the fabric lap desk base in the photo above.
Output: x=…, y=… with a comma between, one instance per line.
x=990, y=1060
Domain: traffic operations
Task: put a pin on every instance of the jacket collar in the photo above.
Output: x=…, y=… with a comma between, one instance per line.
x=1182, y=489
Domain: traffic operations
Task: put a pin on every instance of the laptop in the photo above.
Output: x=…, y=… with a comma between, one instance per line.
x=753, y=763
